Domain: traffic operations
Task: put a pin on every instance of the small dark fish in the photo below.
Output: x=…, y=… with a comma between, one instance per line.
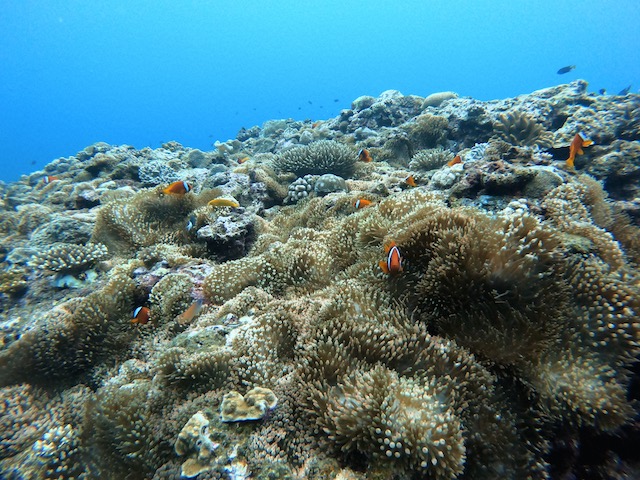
x=33, y=162
x=602, y=91
x=299, y=108
x=309, y=102
x=336, y=100
x=191, y=223
x=566, y=69
x=624, y=91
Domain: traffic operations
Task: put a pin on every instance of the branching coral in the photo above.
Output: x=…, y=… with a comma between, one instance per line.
x=68, y=257
x=318, y=158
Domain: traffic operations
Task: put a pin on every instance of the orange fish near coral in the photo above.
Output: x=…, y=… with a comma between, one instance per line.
x=178, y=188
x=242, y=160
x=456, y=160
x=411, y=181
x=361, y=203
x=223, y=202
x=364, y=155
x=47, y=179
x=140, y=316
x=190, y=313
x=393, y=265
x=576, y=148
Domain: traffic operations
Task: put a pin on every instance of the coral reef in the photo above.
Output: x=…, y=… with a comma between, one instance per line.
x=506, y=347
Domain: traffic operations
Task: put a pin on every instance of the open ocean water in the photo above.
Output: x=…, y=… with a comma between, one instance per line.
x=73, y=73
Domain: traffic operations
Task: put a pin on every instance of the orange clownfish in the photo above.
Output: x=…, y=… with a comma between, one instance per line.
x=455, y=161
x=411, y=181
x=364, y=155
x=393, y=265
x=49, y=178
x=361, y=203
x=140, y=316
x=576, y=148
x=242, y=160
x=178, y=188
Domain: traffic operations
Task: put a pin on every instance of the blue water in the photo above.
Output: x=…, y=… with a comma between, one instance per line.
x=143, y=72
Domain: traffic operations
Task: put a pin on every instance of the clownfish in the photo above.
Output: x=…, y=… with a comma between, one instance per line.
x=411, y=181
x=178, y=188
x=190, y=313
x=47, y=179
x=242, y=160
x=455, y=161
x=576, y=147
x=361, y=203
x=223, y=202
x=364, y=155
x=140, y=316
x=393, y=265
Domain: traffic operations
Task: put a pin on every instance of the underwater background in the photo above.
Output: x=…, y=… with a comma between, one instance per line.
x=352, y=242
x=142, y=73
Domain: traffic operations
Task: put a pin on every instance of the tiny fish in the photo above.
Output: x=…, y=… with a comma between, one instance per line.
x=566, y=69
x=624, y=91
x=456, y=160
x=393, y=265
x=602, y=91
x=361, y=203
x=140, y=316
x=190, y=313
x=47, y=179
x=364, y=155
x=191, y=223
x=177, y=188
x=223, y=202
x=576, y=148
x=242, y=160
x=411, y=181
x=316, y=124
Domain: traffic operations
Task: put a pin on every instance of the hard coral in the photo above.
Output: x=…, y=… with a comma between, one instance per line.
x=68, y=257
x=324, y=156
x=521, y=129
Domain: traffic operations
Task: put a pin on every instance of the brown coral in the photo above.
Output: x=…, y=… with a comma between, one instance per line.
x=521, y=129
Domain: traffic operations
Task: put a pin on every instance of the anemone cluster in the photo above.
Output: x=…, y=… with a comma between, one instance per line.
x=505, y=339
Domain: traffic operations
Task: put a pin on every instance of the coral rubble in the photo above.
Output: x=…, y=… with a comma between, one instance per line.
x=505, y=347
